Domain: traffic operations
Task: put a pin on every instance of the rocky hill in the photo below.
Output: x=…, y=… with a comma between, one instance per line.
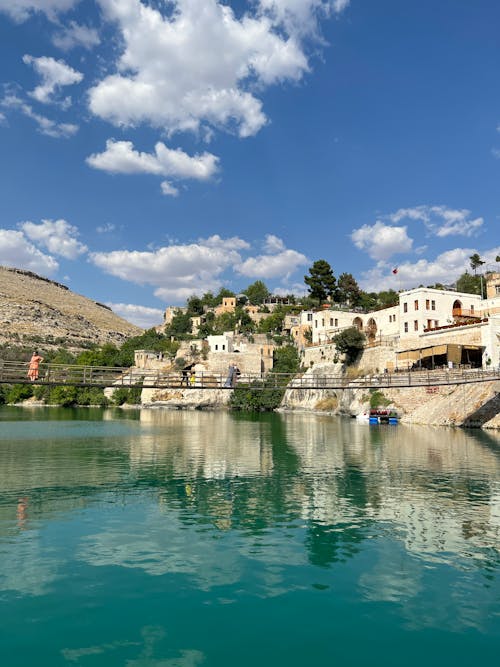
x=37, y=311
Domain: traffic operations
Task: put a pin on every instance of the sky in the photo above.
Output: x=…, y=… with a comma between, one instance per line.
x=155, y=149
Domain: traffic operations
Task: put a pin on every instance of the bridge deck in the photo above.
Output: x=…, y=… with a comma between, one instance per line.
x=12, y=372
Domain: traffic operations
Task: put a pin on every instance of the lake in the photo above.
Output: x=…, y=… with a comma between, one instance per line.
x=150, y=538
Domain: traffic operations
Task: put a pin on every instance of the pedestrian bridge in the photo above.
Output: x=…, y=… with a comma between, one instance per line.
x=14, y=372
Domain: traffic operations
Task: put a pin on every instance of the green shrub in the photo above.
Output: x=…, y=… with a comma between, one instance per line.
x=378, y=400
x=18, y=392
x=130, y=396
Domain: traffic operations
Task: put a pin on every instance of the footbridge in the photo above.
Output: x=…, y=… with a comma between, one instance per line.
x=13, y=372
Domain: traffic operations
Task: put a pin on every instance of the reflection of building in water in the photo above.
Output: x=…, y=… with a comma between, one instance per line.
x=443, y=494
x=212, y=445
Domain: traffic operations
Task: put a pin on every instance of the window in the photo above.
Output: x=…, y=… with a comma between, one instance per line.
x=406, y=327
x=405, y=307
x=433, y=305
x=331, y=321
x=472, y=308
x=415, y=325
x=497, y=289
x=416, y=304
x=429, y=324
x=315, y=324
x=336, y=322
x=223, y=347
x=216, y=347
x=427, y=304
x=309, y=317
x=323, y=322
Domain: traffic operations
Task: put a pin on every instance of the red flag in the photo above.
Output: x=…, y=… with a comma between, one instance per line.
x=395, y=270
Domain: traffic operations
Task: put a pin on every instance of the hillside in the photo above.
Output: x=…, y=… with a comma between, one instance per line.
x=38, y=311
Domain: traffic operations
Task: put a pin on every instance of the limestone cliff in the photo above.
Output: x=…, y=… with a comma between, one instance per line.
x=38, y=311
x=474, y=405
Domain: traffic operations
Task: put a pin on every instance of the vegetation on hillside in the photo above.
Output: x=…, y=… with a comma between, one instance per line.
x=253, y=398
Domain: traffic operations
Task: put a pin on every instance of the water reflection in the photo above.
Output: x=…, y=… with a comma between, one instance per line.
x=266, y=505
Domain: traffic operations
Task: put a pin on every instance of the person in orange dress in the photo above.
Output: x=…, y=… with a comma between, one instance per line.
x=34, y=365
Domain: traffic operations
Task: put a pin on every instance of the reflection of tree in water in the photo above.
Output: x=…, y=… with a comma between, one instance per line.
x=327, y=544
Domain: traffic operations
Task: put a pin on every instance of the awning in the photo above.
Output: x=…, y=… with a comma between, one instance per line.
x=409, y=355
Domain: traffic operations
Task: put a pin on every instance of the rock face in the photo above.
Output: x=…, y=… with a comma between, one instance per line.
x=474, y=405
x=38, y=311
x=186, y=398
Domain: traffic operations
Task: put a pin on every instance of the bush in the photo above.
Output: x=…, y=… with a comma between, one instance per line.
x=378, y=400
x=18, y=393
x=350, y=342
x=130, y=396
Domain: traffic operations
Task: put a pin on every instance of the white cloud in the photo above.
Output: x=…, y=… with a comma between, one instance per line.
x=301, y=16
x=176, y=271
x=58, y=236
x=196, y=65
x=107, y=228
x=75, y=34
x=120, y=157
x=273, y=244
x=45, y=125
x=298, y=289
x=141, y=316
x=55, y=74
x=381, y=241
x=18, y=252
x=20, y=10
x=168, y=189
x=446, y=268
x=441, y=221
x=282, y=264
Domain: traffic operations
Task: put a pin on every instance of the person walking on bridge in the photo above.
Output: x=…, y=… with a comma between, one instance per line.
x=34, y=365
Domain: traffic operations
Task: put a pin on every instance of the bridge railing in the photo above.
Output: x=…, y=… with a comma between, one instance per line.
x=14, y=372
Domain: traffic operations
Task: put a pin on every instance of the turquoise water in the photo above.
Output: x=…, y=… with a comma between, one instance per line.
x=176, y=539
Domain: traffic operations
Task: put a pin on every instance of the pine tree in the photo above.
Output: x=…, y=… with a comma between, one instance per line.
x=321, y=281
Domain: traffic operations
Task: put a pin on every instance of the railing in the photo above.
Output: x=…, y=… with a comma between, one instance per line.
x=12, y=372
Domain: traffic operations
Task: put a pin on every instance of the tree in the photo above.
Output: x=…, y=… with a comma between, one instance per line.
x=387, y=298
x=348, y=290
x=368, y=300
x=475, y=262
x=469, y=284
x=256, y=292
x=180, y=325
x=320, y=281
x=350, y=342
x=221, y=294
x=194, y=306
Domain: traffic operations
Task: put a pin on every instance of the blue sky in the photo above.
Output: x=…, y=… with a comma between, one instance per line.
x=151, y=150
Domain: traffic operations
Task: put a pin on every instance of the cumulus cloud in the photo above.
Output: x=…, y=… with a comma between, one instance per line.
x=17, y=251
x=381, y=241
x=176, y=271
x=141, y=316
x=20, y=10
x=45, y=125
x=74, y=35
x=120, y=157
x=445, y=268
x=54, y=74
x=273, y=244
x=441, y=221
x=196, y=64
x=282, y=264
x=301, y=16
x=58, y=236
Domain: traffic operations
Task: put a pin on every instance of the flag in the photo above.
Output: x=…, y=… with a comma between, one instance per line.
x=395, y=270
